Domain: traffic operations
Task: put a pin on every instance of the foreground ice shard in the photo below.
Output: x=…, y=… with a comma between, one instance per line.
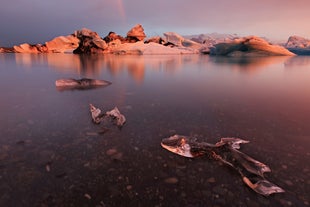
x=226, y=151
x=116, y=114
x=80, y=84
x=97, y=116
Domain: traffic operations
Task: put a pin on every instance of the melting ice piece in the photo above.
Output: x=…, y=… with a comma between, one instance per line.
x=185, y=146
x=95, y=114
x=226, y=152
x=84, y=83
x=263, y=187
x=249, y=163
x=120, y=118
x=177, y=144
x=233, y=142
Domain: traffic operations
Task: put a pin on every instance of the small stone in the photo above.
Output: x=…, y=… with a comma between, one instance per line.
x=111, y=151
x=288, y=182
x=47, y=168
x=171, y=180
x=91, y=133
x=211, y=180
x=86, y=195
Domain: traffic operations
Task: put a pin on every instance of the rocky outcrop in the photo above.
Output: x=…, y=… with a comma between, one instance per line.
x=136, y=34
x=249, y=46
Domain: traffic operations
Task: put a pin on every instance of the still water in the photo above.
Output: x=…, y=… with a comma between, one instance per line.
x=51, y=154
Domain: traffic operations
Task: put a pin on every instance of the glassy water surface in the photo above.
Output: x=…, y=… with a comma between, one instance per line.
x=51, y=154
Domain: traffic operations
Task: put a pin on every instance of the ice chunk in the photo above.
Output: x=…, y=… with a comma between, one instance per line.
x=95, y=114
x=84, y=83
x=263, y=186
x=225, y=151
x=120, y=118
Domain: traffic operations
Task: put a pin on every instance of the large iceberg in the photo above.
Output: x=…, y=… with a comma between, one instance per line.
x=249, y=46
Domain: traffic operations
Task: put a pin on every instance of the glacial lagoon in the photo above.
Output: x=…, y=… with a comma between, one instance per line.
x=52, y=154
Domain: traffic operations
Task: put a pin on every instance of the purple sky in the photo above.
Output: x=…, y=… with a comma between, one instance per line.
x=37, y=21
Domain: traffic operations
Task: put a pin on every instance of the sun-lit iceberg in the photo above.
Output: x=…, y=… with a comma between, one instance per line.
x=249, y=46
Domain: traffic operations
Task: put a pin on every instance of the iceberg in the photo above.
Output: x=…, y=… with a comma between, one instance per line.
x=249, y=46
x=84, y=83
x=115, y=114
x=298, y=45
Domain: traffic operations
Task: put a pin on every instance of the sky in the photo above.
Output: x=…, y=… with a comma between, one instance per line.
x=38, y=21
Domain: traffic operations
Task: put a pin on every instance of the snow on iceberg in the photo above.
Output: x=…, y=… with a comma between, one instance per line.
x=140, y=48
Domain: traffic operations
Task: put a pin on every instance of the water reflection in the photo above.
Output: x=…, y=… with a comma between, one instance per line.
x=249, y=65
x=91, y=65
x=300, y=61
x=265, y=100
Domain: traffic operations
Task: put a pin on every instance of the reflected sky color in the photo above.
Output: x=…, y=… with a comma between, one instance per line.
x=271, y=84
x=263, y=100
x=39, y=21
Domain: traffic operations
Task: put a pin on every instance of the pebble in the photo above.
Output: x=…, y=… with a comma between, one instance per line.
x=48, y=168
x=91, y=133
x=111, y=151
x=114, y=154
x=171, y=180
x=86, y=195
x=211, y=180
x=288, y=182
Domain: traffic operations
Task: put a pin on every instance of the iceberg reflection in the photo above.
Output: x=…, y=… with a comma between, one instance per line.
x=135, y=65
